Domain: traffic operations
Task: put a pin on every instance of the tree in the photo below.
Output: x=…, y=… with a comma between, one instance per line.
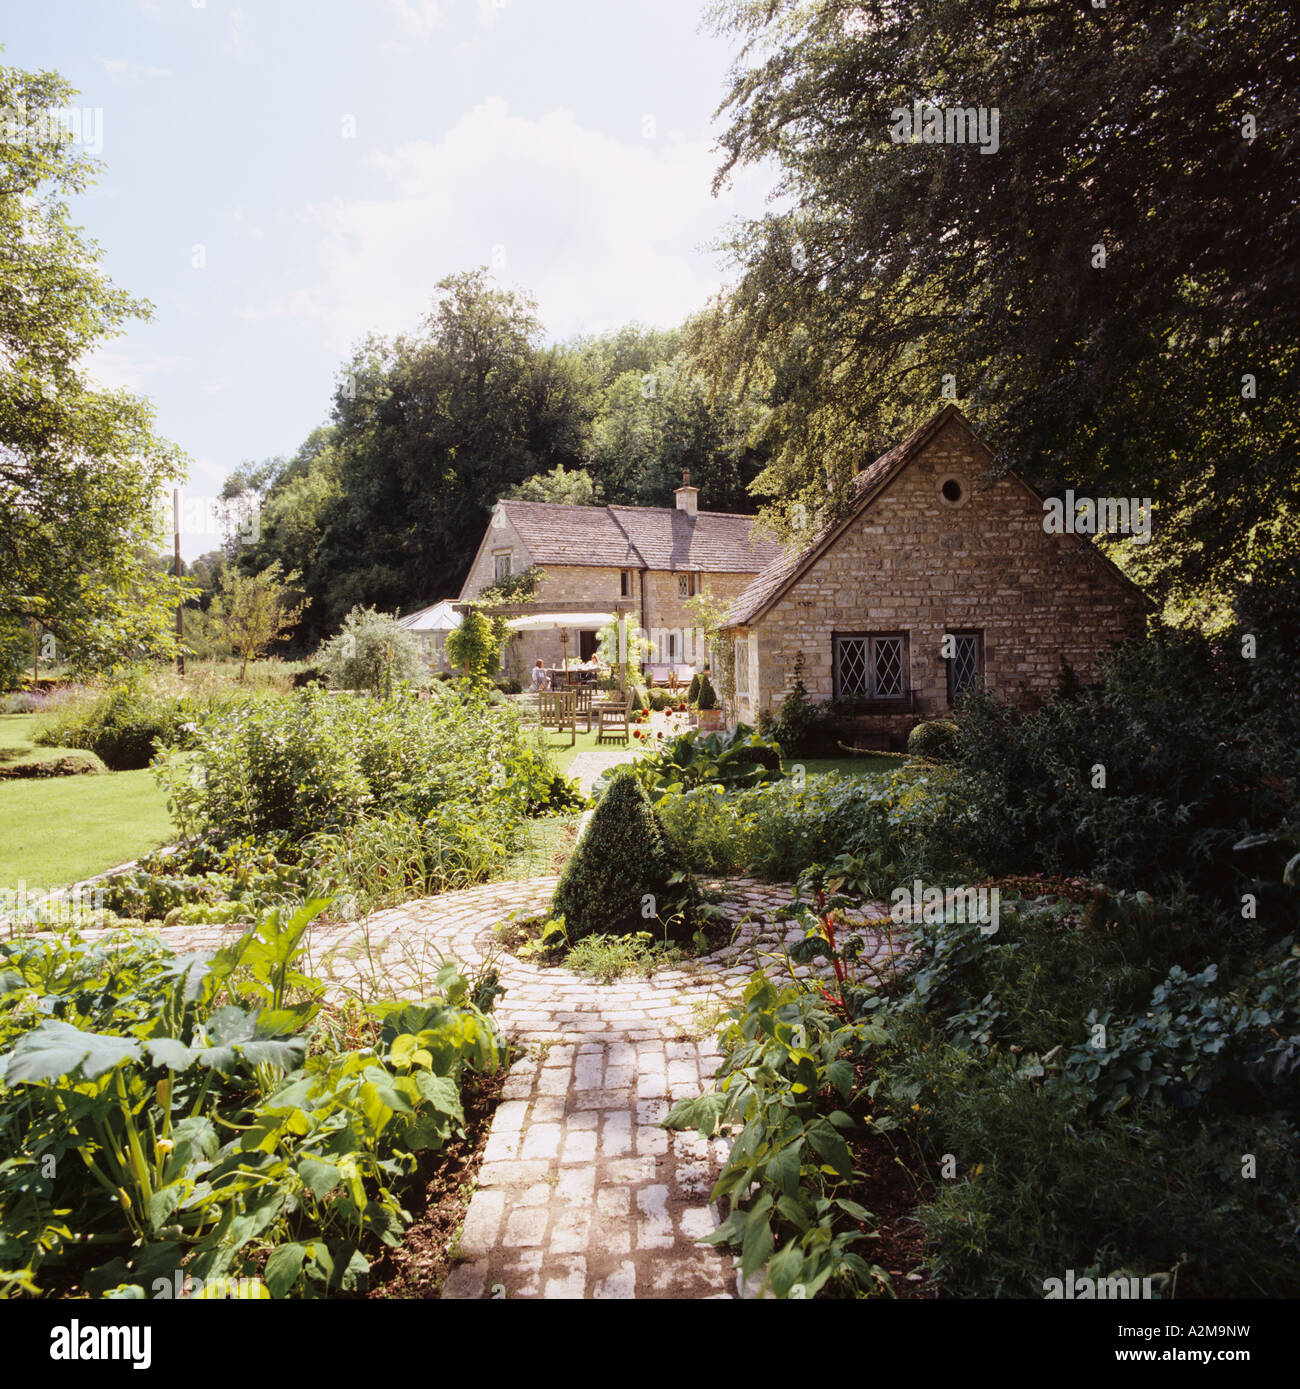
x=655, y=424
x=373, y=652
x=573, y=487
x=254, y=610
x=1112, y=294
x=475, y=646
x=80, y=467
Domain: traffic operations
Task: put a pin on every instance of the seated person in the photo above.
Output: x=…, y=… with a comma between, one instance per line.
x=541, y=681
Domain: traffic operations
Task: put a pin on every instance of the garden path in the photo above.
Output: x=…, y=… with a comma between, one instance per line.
x=580, y=1193
x=589, y=764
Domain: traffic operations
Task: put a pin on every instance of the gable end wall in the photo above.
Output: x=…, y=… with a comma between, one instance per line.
x=913, y=563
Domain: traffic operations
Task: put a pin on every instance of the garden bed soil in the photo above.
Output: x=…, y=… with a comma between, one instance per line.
x=887, y=1191
x=438, y=1200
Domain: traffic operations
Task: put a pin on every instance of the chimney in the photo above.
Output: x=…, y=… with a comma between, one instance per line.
x=688, y=496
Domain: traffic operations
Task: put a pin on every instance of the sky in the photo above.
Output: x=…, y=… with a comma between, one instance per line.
x=282, y=177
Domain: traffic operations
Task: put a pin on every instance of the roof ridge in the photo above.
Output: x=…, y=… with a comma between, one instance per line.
x=776, y=578
x=632, y=545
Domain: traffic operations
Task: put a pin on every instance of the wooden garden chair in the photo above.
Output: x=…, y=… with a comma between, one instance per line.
x=614, y=722
x=584, y=703
x=559, y=707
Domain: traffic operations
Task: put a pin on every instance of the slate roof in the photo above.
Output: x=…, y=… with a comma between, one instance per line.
x=640, y=537
x=868, y=485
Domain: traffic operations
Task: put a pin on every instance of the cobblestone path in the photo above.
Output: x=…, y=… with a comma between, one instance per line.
x=581, y=1193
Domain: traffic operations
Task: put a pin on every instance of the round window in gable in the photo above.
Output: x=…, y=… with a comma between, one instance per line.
x=953, y=491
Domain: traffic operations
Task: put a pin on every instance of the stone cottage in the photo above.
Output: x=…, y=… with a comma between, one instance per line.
x=595, y=561
x=929, y=586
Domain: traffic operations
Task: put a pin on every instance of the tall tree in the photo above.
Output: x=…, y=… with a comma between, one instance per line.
x=80, y=467
x=430, y=431
x=1111, y=292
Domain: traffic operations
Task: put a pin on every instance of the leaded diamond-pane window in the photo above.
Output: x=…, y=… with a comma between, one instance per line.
x=871, y=667
x=965, y=665
x=887, y=667
x=742, y=667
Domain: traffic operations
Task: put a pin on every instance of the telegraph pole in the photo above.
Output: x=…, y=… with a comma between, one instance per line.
x=180, y=606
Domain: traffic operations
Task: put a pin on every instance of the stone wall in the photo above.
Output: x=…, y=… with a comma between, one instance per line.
x=599, y=587
x=667, y=612
x=916, y=563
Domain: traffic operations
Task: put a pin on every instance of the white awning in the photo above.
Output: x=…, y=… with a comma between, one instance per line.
x=540, y=622
x=439, y=617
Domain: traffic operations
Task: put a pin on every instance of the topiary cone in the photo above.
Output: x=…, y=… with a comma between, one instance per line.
x=624, y=856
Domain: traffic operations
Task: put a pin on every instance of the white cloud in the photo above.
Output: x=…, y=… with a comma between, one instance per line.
x=130, y=70
x=137, y=370
x=419, y=19
x=600, y=230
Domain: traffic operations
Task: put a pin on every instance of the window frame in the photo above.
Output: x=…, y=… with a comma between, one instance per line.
x=509, y=558
x=625, y=583
x=900, y=700
x=951, y=661
x=740, y=660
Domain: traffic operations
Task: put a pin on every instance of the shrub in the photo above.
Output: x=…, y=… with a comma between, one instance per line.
x=739, y=757
x=475, y=646
x=774, y=831
x=1184, y=778
x=693, y=689
x=126, y=723
x=624, y=872
x=21, y=703
x=706, y=697
x=298, y=765
x=934, y=741
x=372, y=652
x=790, y=726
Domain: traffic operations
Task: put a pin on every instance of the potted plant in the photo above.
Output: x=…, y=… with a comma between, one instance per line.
x=707, y=703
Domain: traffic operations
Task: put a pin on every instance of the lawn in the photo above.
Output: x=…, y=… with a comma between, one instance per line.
x=562, y=754
x=61, y=829
x=16, y=746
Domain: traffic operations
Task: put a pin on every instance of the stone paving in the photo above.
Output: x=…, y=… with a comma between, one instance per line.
x=581, y=1193
x=589, y=764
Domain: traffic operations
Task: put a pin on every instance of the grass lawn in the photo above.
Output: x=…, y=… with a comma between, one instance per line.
x=16, y=746
x=60, y=829
x=562, y=754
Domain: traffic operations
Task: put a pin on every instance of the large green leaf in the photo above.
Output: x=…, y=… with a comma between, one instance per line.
x=235, y=1034
x=283, y=1268
x=785, y=1268
x=56, y=1048
x=831, y=1146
